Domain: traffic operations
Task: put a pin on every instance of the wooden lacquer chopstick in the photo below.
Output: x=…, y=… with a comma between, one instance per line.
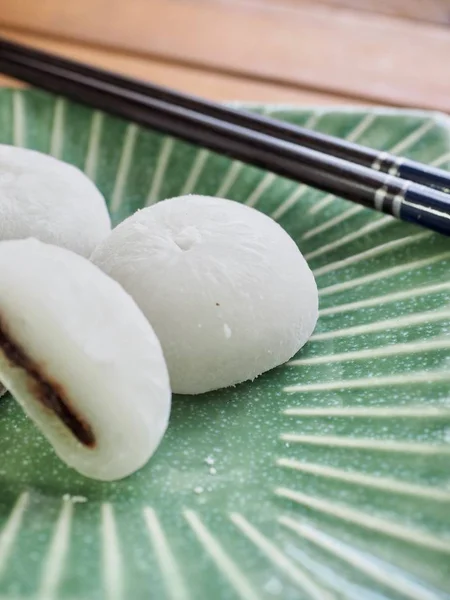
x=404, y=168
x=262, y=146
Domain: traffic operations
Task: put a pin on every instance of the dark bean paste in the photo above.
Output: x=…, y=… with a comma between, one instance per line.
x=49, y=393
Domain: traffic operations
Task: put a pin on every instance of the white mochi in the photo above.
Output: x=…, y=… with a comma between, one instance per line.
x=225, y=288
x=81, y=359
x=50, y=200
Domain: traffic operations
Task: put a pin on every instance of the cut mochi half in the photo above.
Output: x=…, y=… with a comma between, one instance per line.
x=82, y=360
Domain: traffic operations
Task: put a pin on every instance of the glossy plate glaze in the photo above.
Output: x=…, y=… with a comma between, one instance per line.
x=326, y=478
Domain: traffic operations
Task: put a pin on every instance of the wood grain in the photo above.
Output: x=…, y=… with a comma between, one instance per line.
x=333, y=51
x=215, y=86
x=432, y=11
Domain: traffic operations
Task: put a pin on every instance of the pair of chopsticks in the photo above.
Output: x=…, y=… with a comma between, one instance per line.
x=407, y=189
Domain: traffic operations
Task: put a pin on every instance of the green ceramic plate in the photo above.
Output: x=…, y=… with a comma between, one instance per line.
x=326, y=478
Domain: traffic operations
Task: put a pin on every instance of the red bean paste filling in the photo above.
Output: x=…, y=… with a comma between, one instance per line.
x=49, y=394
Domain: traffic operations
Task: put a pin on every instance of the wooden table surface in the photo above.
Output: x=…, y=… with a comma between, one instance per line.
x=391, y=52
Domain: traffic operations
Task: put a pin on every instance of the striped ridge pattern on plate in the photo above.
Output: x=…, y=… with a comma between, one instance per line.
x=326, y=478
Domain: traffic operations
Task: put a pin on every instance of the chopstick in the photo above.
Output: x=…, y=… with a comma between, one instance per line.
x=404, y=199
x=379, y=160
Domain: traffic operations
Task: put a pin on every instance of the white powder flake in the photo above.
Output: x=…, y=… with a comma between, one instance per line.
x=74, y=499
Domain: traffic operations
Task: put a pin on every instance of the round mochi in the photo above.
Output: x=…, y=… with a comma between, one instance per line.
x=82, y=360
x=50, y=200
x=225, y=288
